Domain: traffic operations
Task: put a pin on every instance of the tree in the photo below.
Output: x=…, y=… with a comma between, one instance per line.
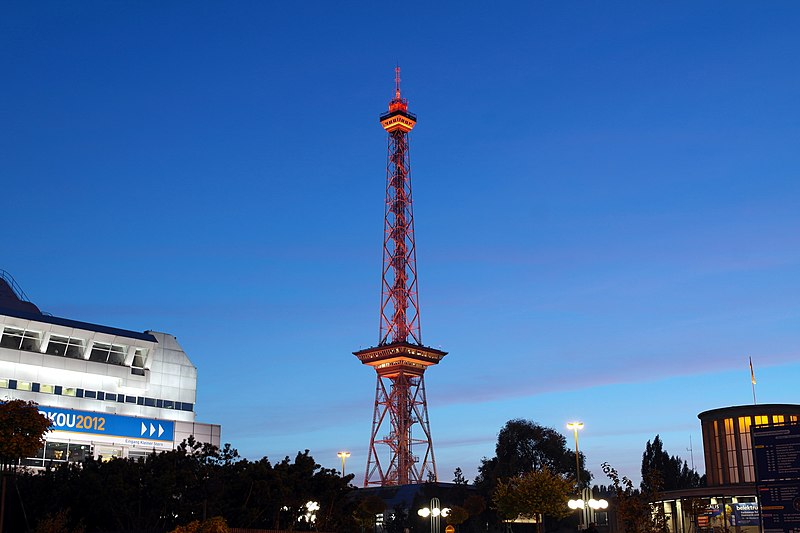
x=474, y=505
x=458, y=477
x=634, y=508
x=672, y=470
x=533, y=495
x=216, y=524
x=58, y=523
x=457, y=515
x=22, y=429
x=525, y=446
x=366, y=511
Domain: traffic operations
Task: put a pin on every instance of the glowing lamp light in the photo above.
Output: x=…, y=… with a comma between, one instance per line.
x=575, y=504
x=598, y=504
x=592, y=504
x=425, y=512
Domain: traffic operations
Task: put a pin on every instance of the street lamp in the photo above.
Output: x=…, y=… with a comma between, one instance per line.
x=587, y=507
x=435, y=512
x=343, y=456
x=575, y=426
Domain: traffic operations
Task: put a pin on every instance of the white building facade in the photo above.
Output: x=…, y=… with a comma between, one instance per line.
x=109, y=392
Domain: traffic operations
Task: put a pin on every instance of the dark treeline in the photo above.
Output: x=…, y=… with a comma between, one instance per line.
x=173, y=488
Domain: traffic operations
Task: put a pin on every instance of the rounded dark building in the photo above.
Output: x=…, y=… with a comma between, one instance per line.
x=727, y=441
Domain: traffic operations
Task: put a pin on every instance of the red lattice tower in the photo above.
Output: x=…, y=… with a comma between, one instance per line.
x=400, y=358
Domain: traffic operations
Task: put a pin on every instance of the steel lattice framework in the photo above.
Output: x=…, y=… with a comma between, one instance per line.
x=399, y=301
x=400, y=358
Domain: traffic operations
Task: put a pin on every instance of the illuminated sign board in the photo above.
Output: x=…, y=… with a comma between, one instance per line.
x=776, y=451
x=142, y=431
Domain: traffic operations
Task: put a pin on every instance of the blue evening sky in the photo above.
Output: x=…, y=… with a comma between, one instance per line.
x=606, y=206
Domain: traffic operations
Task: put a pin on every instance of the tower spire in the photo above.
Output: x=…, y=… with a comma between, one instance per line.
x=397, y=82
x=400, y=358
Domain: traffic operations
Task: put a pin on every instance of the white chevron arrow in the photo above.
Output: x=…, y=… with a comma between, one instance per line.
x=152, y=429
x=160, y=430
x=144, y=429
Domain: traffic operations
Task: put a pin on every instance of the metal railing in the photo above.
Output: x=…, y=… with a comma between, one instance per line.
x=8, y=278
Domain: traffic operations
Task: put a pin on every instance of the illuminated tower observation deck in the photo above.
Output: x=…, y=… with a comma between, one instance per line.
x=400, y=358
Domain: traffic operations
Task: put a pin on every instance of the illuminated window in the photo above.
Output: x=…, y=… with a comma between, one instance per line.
x=793, y=418
x=113, y=354
x=762, y=420
x=730, y=447
x=56, y=451
x=747, y=449
x=69, y=391
x=47, y=389
x=21, y=339
x=24, y=385
x=65, y=346
x=3, y=383
x=777, y=419
x=79, y=452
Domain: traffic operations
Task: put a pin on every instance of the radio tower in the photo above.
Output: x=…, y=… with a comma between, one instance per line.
x=400, y=358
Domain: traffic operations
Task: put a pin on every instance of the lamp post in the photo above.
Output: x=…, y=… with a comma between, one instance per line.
x=587, y=507
x=343, y=456
x=575, y=426
x=435, y=512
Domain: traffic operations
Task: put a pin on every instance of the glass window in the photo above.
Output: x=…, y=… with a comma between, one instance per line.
x=169, y=404
x=79, y=452
x=111, y=397
x=47, y=389
x=730, y=448
x=35, y=460
x=89, y=394
x=23, y=385
x=11, y=338
x=777, y=419
x=108, y=353
x=138, y=358
x=65, y=346
x=747, y=449
x=69, y=391
x=3, y=383
x=21, y=339
x=718, y=450
x=56, y=451
x=762, y=420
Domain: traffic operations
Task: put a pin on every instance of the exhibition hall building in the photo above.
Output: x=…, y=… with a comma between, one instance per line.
x=108, y=392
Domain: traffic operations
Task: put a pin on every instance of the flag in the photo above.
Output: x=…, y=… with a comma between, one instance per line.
x=752, y=374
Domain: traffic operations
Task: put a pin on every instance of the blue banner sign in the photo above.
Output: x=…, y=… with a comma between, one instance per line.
x=735, y=514
x=109, y=424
